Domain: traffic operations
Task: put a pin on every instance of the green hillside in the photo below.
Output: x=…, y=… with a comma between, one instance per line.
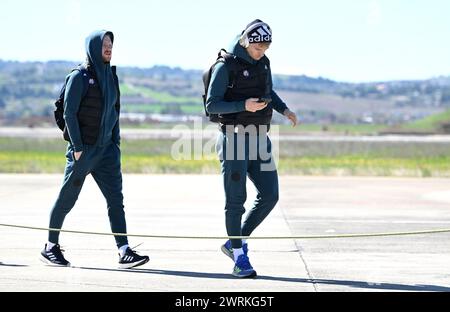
x=433, y=123
x=29, y=89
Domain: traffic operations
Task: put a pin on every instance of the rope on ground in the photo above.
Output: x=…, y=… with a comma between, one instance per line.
x=385, y=234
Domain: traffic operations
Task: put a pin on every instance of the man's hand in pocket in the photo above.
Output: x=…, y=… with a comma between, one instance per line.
x=77, y=155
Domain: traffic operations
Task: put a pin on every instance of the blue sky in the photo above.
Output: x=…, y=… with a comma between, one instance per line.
x=345, y=40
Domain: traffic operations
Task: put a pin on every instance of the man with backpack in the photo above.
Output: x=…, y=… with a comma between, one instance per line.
x=88, y=111
x=241, y=99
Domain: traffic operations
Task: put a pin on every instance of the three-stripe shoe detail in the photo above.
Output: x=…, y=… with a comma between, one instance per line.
x=131, y=259
x=54, y=256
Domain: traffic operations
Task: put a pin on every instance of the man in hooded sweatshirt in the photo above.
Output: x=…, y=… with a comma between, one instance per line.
x=91, y=114
x=240, y=94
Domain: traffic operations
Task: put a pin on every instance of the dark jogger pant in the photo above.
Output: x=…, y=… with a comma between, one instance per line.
x=244, y=161
x=104, y=165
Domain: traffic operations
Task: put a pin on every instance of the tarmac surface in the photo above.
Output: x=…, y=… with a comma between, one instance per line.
x=193, y=205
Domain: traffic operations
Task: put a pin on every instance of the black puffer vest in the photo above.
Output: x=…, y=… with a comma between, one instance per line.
x=91, y=109
x=248, y=81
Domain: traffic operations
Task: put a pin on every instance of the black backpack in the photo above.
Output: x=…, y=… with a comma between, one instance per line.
x=230, y=61
x=87, y=76
x=59, y=104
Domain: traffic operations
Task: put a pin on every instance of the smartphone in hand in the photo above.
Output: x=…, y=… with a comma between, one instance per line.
x=264, y=100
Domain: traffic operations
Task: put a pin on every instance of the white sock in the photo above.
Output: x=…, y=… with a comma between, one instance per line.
x=237, y=252
x=244, y=241
x=122, y=250
x=49, y=246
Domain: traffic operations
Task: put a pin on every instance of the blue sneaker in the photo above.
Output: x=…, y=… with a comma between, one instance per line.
x=243, y=268
x=228, y=250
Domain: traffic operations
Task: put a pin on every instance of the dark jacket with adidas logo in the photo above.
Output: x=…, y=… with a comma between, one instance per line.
x=253, y=79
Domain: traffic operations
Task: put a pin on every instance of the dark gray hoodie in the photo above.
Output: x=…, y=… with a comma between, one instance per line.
x=109, y=127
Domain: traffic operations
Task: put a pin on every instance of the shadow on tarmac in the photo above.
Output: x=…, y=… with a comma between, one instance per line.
x=12, y=265
x=354, y=284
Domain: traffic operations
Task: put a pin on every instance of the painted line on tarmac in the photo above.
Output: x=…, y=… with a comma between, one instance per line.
x=370, y=221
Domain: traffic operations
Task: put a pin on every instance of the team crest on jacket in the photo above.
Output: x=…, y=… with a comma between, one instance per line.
x=246, y=73
x=91, y=81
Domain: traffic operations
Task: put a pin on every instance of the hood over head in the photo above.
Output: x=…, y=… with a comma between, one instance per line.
x=94, y=46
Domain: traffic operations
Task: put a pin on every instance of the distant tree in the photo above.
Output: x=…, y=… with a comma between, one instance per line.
x=174, y=109
x=446, y=96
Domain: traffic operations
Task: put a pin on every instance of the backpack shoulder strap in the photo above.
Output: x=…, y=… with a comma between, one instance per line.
x=86, y=77
x=208, y=73
x=59, y=104
x=86, y=74
x=231, y=63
